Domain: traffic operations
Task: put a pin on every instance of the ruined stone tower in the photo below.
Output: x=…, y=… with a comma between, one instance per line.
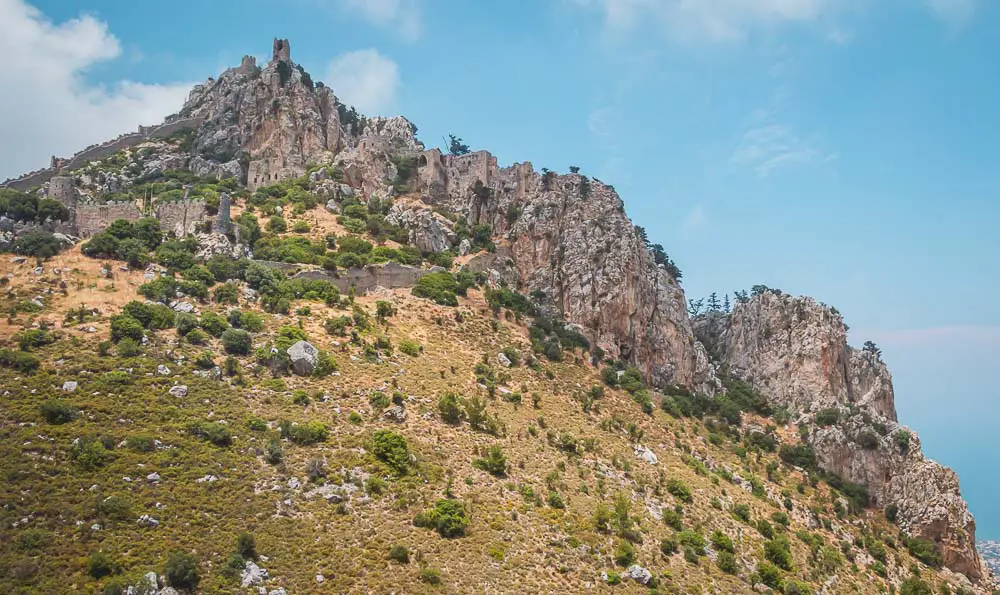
x=248, y=65
x=223, y=222
x=282, y=51
x=61, y=189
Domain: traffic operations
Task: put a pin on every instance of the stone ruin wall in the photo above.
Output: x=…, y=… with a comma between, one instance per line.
x=181, y=217
x=102, y=151
x=264, y=172
x=95, y=218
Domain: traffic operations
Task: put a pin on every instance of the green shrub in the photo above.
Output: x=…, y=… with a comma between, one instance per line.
x=124, y=326
x=827, y=417
x=769, y=575
x=902, y=439
x=100, y=565
x=779, y=551
x=308, y=433
x=440, y=287
x=669, y=546
x=214, y=324
x=56, y=411
x=794, y=587
x=34, y=338
x=90, y=453
x=237, y=342
x=227, y=293
x=625, y=554
x=246, y=546
x=448, y=517
x=555, y=500
x=800, y=455
x=431, y=576
x=722, y=542
x=693, y=540
x=325, y=365
x=411, y=348
x=18, y=360
x=924, y=550
x=495, y=462
x=400, y=554
x=114, y=508
x=449, y=408
x=891, y=513
x=277, y=224
x=726, y=562
x=141, y=443
x=391, y=448
x=914, y=585
x=672, y=519
x=196, y=337
x=679, y=490
x=182, y=570
x=214, y=432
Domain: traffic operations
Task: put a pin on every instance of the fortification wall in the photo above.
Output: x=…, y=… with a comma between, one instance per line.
x=102, y=151
x=95, y=218
x=391, y=275
x=181, y=217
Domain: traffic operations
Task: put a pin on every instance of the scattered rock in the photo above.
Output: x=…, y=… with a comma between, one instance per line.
x=181, y=390
x=253, y=575
x=186, y=307
x=503, y=360
x=464, y=247
x=19, y=260
x=69, y=386
x=639, y=574
x=162, y=370
x=304, y=357
x=207, y=479
x=153, y=477
x=396, y=413
x=645, y=454
x=148, y=521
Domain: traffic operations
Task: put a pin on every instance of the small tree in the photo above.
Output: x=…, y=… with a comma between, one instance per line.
x=182, y=570
x=872, y=348
x=495, y=462
x=574, y=169
x=456, y=146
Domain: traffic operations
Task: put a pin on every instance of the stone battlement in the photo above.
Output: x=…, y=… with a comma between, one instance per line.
x=101, y=151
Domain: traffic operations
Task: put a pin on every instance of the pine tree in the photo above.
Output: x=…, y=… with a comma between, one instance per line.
x=726, y=306
x=713, y=302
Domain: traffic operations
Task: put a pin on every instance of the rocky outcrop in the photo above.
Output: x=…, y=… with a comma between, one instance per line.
x=794, y=350
x=304, y=357
x=564, y=239
x=275, y=119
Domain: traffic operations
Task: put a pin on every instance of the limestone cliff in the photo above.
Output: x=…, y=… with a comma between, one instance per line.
x=564, y=239
x=795, y=351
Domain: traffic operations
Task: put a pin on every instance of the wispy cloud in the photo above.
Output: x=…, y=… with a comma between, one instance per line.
x=770, y=145
x=402, y=16
x=695, y=219
x=954, y=12
x=365, y=79
x=711, y=20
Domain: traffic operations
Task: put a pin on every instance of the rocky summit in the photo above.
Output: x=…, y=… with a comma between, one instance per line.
x=272, y=345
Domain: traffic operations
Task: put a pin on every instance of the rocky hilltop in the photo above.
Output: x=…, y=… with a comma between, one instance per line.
x=719, y=392
x=795, y=351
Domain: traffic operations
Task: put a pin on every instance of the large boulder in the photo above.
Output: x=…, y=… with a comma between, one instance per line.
x=303, y=356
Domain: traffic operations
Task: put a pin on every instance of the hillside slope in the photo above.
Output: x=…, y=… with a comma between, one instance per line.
x=358, y=354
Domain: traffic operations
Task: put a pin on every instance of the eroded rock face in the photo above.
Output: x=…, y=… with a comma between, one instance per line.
x=275, y=118
x=794, y=350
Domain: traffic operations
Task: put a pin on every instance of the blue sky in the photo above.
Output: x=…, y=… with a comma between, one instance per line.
x=844, y=149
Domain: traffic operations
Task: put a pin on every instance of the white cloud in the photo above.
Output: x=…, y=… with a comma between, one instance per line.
x=48, y=107
x=365, y=79
x=954, y=12
x=712, y=20
x=770, y=146
x=695, y=219
x=401, y=15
